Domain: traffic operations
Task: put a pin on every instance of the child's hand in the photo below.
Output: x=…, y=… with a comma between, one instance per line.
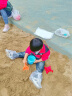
x=24, y=61
x=36, y=61
x=25, y=65
x=25, y=58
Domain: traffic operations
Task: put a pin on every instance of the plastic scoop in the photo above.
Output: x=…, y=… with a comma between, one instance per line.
x=25, y=67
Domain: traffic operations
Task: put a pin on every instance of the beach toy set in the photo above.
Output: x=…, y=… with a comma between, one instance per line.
x=30, y=60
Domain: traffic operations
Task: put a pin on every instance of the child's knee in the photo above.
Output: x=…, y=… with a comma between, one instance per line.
x=40, y=66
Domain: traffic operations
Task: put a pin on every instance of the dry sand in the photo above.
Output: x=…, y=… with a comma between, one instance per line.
x=15, y=82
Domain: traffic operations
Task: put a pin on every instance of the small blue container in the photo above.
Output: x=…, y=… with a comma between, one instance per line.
x=65, y=34
x=31, y=59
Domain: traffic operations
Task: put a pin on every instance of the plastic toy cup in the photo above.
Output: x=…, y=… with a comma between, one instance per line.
x=31, y=59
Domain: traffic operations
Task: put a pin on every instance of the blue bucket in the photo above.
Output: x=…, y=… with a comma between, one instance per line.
x=31, y=59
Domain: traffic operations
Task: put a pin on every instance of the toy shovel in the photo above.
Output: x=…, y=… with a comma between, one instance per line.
x=25, y=67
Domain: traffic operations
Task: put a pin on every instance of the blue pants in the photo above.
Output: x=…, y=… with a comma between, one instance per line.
x=39, y=66
x=5, y=14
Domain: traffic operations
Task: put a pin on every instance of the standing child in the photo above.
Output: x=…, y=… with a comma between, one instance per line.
x=40, y=51
x=5, y=12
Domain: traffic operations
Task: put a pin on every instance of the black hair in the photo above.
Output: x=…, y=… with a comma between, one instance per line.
x=36, y=44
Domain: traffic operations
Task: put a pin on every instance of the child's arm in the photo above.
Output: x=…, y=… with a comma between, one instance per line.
x=25, y=58
x=44, y=57
x=25, y=62
x=36, y=61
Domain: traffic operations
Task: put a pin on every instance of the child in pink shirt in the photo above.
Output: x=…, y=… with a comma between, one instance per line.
x=3, y=4
x=40, y=51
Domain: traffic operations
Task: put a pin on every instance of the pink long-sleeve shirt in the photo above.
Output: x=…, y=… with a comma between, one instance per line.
x=43, y=54
x=3, y=4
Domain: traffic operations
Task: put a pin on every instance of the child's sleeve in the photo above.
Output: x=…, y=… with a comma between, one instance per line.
x=3, y=4
x=28, y=50
x=45, y=56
